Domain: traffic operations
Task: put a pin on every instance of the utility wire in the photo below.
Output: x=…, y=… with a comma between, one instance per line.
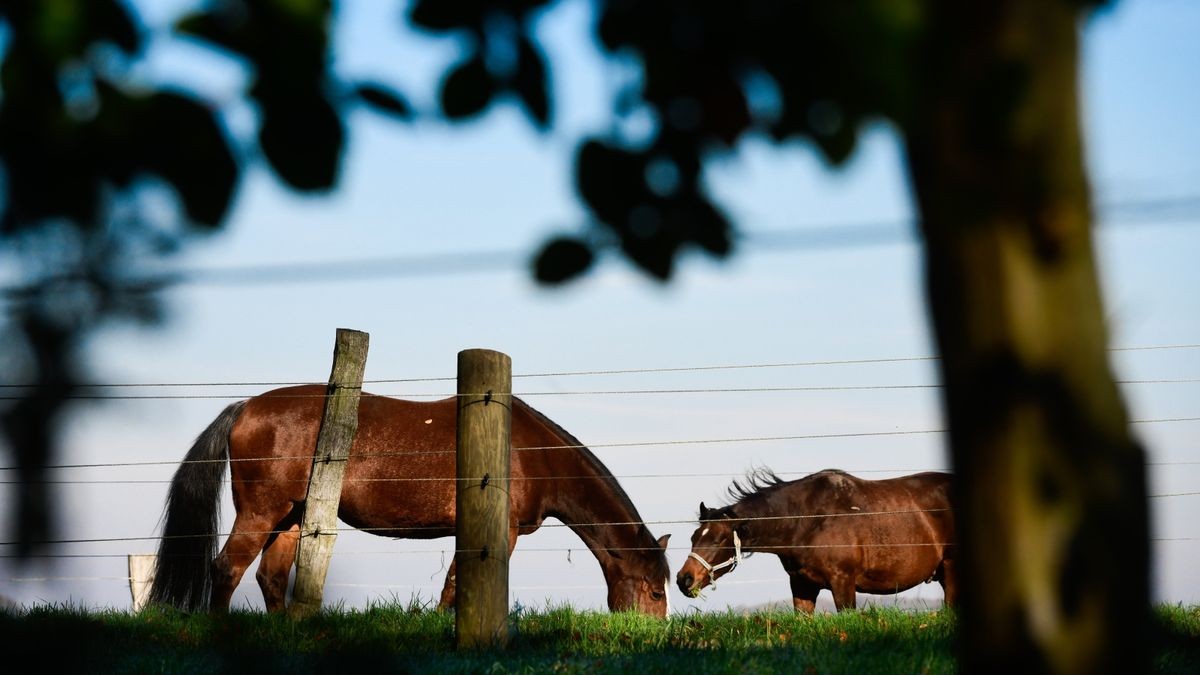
x=811, y=237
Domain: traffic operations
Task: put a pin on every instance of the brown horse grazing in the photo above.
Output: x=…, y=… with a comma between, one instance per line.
x=399, y=482
x=831, y=530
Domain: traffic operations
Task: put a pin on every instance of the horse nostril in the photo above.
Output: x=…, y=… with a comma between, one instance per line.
x=685, y=582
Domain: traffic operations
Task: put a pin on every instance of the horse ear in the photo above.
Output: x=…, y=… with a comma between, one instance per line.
x=662, y=541
x=703, y=512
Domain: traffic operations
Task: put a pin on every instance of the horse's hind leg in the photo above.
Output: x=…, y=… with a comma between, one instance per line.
x=277, y=559
x=949, y=581
x=249, y=536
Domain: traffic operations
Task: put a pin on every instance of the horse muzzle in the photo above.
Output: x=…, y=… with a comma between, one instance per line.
x=685, y=582
x=689, y=585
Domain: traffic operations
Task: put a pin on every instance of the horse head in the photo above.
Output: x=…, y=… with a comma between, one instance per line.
x=640, y=584
x=716, y=550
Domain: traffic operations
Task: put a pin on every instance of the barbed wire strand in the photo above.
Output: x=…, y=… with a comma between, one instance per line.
x=428, y=479
x=441, y=528
x=576, y=373
x=527, y=394
x=564, y=446
x=569, y=549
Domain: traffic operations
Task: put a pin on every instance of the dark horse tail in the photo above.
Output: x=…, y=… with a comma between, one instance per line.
x=182, y=570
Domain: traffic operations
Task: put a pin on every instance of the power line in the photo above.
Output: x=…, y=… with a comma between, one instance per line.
x=1185, y=208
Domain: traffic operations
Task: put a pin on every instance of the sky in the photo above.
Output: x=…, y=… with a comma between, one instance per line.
x=495, y=185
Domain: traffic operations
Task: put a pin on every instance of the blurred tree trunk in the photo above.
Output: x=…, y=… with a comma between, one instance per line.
x=1050, y=489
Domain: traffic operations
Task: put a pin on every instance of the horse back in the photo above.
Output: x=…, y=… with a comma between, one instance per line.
x=892, y=511
x=402, y=463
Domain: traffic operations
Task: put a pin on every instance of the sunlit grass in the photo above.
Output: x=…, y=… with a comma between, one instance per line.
x=413, y=637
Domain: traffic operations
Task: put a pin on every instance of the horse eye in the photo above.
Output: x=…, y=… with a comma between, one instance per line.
x=656, y=595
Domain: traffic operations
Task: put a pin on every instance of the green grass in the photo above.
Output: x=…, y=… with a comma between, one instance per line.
x=398, y=638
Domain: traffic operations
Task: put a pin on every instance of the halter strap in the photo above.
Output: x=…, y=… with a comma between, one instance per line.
x=731, y=563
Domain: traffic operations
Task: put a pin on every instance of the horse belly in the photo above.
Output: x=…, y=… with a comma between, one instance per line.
x=388, y=504
x=892, y=571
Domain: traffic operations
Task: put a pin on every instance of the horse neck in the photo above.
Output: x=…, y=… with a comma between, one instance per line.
x=605, y=520
x=588, y=504
x=771, y=531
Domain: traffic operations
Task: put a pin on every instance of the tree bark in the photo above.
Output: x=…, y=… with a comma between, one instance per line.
x=1050, y=485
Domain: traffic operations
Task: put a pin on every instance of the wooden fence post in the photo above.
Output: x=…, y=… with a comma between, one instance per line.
x=318, y=527
x=481, y=499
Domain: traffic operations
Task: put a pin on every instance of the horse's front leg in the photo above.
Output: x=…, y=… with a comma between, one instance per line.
x=804, y=594
x=447, y=601
x=804, y=590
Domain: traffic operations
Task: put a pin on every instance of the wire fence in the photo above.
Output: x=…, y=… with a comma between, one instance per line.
x=585, y=373
x=401, y=531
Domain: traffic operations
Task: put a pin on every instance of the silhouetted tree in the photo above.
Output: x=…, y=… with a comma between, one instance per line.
x=1050, y=484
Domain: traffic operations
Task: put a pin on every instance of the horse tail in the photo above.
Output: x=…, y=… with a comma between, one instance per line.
x=183, y=567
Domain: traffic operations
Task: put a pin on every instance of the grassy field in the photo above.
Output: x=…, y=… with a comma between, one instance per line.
x=395, y=638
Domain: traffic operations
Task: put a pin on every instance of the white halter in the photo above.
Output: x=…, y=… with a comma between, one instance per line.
x=731, y=563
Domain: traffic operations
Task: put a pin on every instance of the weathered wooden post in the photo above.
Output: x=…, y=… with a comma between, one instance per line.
x=318, y=527
x=481, y=500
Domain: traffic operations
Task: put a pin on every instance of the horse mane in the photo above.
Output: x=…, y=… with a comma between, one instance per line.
x=755, y=482
x=762, y=480
x=600, y=468
x=585, y=452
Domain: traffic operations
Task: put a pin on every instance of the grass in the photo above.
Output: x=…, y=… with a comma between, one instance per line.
x=412, y=638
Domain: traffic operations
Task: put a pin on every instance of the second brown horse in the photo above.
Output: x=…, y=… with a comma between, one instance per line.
x=399, y=482
x=831, y=530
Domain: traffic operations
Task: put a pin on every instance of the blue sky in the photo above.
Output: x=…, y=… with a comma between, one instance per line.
x=496, y=185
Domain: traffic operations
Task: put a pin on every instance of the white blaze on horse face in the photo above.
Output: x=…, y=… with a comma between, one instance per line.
x=667, y=593
x=703, y=532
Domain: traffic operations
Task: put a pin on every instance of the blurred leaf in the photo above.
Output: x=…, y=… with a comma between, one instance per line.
x=726, y=113
x=439, y=15
x=468, y=89
x=708, y=227
x=112, y=21
x=184, y=144
x=610, y=180
x=562, y=259
x=383, y=100
x=838, y=144
x=302, y=138
x=219, y=29
x=655, y=255
x=532, y=83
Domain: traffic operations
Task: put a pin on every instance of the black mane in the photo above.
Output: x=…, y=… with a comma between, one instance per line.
x=756, y=481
